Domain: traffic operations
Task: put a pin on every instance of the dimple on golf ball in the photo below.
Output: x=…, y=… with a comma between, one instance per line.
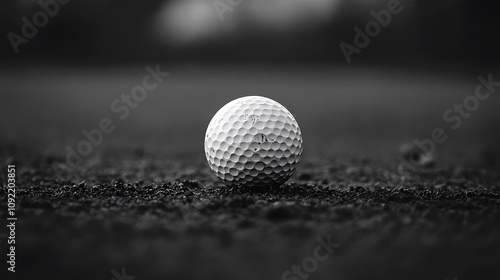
x=253, y=141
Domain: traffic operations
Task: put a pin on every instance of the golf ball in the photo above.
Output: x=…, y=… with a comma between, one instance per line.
x=253, y=141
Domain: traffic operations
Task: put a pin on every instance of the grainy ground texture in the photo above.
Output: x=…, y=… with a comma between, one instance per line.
x=163, y=219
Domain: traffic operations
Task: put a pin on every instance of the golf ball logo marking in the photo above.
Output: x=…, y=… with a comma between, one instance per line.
x=253, y=141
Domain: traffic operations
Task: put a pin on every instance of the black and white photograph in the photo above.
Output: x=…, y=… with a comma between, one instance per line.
x=250, y=139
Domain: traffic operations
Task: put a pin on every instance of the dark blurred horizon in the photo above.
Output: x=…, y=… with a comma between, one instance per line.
x=364, y=111
x=426, y=31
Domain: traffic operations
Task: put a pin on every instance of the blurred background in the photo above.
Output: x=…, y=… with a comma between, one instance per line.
x=395, y=90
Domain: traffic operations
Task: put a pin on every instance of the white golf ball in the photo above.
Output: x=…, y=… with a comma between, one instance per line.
x=253, y=141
